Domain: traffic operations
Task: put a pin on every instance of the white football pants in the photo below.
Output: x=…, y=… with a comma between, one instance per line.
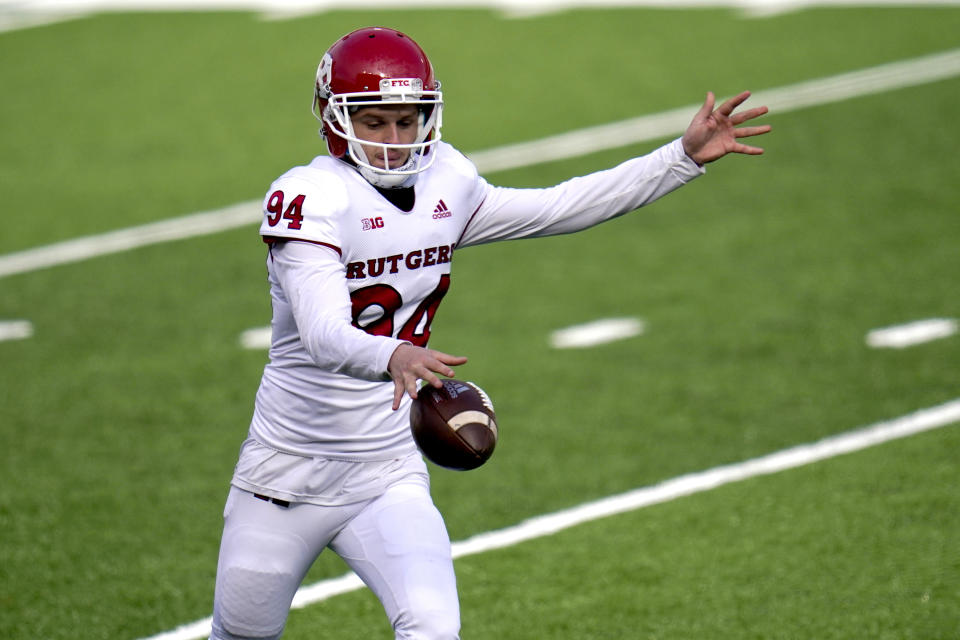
x=396, y=543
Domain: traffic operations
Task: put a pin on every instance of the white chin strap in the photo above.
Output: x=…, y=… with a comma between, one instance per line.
x=403, y=176
x=391, y=177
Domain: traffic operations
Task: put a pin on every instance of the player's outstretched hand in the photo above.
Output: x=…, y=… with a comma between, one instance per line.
x=713, y=133
x=410, y=363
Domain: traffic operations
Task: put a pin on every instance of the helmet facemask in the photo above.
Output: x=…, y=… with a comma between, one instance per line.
x=335, y=110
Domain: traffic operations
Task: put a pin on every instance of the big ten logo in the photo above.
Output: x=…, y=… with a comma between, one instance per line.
x=372, y=223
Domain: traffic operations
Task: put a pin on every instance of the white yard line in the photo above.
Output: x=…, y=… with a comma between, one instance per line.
x=15, y=329
x=78, y=249
x=673, y=489
x=591, y=334
x=22, y=14
x=885, y=77
x=913, y=333
x=258, y=338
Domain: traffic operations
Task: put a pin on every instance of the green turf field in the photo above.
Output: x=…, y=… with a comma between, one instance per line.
x=121, y=417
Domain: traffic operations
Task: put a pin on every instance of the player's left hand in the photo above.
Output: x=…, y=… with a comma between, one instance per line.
x=713, y=133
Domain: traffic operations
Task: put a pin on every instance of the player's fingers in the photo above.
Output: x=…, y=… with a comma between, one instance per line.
x=727, y=107
x=398, y=389
x=446, y=358
x=748, y=150
x=746, y=132
x=441, y=364
x=410, y=383
x=707, y=107
x=431, y=379
x=428, y=367
x=749, y=114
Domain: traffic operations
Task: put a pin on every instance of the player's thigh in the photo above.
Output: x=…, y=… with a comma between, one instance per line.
x=265, y=552
x=399, y=546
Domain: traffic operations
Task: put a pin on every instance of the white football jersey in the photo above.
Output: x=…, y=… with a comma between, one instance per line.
x=366, y=276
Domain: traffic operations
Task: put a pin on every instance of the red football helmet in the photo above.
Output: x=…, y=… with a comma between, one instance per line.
x=376, y=66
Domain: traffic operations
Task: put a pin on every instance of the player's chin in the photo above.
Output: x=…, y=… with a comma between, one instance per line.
x=380, y=162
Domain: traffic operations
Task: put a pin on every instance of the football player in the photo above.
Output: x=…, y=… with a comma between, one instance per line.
x=360, y=247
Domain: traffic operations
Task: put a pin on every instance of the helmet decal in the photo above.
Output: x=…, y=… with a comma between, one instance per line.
x=323, y=75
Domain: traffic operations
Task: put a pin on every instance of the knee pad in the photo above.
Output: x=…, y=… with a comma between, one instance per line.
x=255, y=585
x=253, y=604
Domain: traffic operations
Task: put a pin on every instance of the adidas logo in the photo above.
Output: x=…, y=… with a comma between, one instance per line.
x=441, y=211
x=455, y=387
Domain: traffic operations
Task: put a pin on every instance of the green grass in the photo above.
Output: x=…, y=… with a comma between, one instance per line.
x=854, y=547
x=121, y=418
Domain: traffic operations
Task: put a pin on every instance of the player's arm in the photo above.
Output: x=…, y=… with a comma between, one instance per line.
x=589, y=200
x=582, y=202
x=314, y=281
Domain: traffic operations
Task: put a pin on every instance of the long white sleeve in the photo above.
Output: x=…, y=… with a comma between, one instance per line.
x=314, y=281
x=581, y=202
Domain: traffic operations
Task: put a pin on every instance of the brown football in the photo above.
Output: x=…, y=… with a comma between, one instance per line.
x=454, y=426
